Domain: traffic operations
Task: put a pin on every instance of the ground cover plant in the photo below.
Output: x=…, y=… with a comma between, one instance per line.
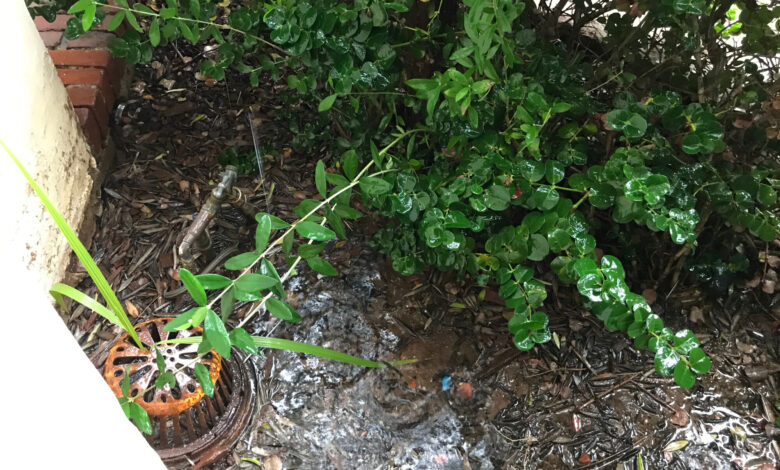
x=512, y=134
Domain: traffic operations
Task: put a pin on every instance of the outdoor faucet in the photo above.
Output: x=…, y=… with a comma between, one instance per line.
x=197, y=235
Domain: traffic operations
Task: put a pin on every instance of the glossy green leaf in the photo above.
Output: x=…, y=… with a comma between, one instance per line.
x=215, y=333
x=349, y=162
x=545, y=197
x=320, y=180
x=154, y=32
x=700, y=363
x=253, y=282
x=327, y=103
x=538, y=247
x=665, y=359
x=683, y=375
x=321, y=266
x=204, y=379
x=262, y=233
x=213, y=281
x=141, y=418
x=314, y=231
x=282, y=311
x=193, y=286
x=241, y=339
x=226, y=303
x=374, y=186
x=241, y=261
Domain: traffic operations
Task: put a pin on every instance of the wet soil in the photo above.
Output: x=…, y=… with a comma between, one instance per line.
x=587, y=399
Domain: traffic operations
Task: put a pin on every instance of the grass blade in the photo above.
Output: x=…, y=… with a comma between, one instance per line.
x=81, y=252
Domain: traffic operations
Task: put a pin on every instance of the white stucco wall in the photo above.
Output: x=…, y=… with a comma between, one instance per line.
x=57, y=412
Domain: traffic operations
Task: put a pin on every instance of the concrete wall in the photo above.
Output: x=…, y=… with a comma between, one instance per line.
x=38, y=124
x=57, y=410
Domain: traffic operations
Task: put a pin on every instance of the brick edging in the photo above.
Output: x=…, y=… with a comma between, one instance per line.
x=92, y=77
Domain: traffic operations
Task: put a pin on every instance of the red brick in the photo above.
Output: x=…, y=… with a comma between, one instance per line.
x=91, y=97
x=92, y=40
x=88, y=76
x=91, y=128
x=81, y=58
x=92, y=58
x=83, y=76
x=51, y=39
x=57, y=25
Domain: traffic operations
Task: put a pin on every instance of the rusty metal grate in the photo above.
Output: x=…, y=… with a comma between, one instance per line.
x=187, y=426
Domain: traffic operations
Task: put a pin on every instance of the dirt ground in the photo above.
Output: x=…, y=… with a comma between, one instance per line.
x=586, y=400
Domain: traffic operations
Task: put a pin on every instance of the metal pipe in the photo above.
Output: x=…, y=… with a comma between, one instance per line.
x=197, y=235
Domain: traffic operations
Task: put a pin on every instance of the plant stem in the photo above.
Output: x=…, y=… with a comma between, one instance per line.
x=319, y=206
x=225, y=27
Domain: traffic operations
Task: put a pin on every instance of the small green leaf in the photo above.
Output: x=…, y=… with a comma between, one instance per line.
x=226, y=303
x=88, y=17
x=160, y=360
x=216, y=334
x=241, y=261
x=350, y=163
x=314, y=231
x=320, y=180
x=538, y=246
x=252, y=282
x=262, y=233
x=276, y=222
x=585, y=266
x=683, y=375
x=545, y=197
x=154, y=33
x=282, y=311
x=195, y=10
x=125, y=384
x=766, y=195
x=116, y=20
x=80, y=5
x=553, y=171
x=241, y=339
x=700, y=363
x=665, y=359
x=130, y=16
x=309, y=250
x=375, y=186
x=202, y=374
x=193, y=286
x=327, y=103
x=560, y=108
x=213, y=281
x=140, y=418
x=321, y=266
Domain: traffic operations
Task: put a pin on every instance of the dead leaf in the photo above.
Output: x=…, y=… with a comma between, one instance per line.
x=584, y=459
x=680, y=418
x=272, y=462
x=676, y=445
x=697, y=315
x=132, y=310
x=650, y=295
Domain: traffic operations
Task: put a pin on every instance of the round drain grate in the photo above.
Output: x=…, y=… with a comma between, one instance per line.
x=187, y=426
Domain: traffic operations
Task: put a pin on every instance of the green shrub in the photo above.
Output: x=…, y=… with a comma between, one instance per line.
x=527, y=131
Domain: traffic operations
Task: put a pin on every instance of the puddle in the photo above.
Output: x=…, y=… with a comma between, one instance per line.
x=503, y=409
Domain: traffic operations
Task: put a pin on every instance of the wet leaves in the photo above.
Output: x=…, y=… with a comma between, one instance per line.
x=202, y=374
x=676, y=445
x=314, y=231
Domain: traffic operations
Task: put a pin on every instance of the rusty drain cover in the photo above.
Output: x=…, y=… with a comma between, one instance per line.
x=187, y=426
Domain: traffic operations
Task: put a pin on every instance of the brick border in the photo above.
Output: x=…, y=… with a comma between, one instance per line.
x=92, y=77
